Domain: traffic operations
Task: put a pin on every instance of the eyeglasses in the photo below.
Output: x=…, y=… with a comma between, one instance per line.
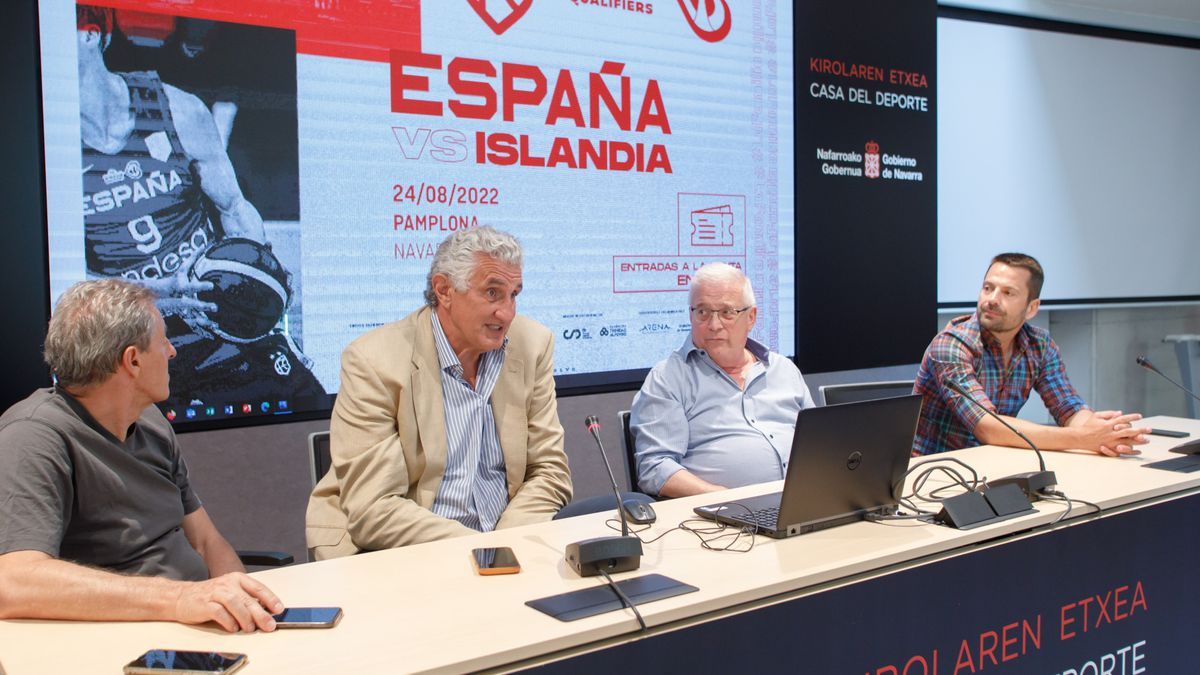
x=727, y=315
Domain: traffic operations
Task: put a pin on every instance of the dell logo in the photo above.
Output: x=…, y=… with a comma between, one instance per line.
x=854, y=460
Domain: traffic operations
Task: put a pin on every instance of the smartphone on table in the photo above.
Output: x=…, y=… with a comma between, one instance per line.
x=499, y=560
x=179, y=662
x=1169, y=433
x=308, y=617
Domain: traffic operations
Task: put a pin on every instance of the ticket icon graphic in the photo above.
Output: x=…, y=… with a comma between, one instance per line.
x=712, y=226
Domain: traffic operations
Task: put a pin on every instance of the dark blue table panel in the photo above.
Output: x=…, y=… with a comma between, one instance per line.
x=1112, y=595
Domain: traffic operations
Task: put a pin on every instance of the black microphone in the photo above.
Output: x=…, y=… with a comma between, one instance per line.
x=1031, y=482
x=1145, y=363
x=1191, y=447
x=592, y=557
x=593, y=427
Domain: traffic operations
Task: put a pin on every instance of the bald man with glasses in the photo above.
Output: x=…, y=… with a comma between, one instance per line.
x=720, y=411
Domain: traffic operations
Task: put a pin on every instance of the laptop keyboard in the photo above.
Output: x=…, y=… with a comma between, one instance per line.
x=764, y=518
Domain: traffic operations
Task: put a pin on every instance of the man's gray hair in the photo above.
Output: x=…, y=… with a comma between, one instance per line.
x=458, y=254
x=720, y=271
x=92, y=324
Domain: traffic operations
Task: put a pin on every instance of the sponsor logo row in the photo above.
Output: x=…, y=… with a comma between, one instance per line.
x=621, y=330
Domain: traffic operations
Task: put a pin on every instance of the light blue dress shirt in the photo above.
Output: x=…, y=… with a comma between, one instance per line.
x=474, y=489
x=690, y=414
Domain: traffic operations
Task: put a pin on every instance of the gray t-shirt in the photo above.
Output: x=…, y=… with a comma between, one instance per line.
x=70, y=489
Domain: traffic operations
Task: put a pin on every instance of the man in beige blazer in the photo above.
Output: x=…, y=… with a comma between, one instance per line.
x=389, y=429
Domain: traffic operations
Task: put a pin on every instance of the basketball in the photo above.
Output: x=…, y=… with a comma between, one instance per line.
x=250, y=288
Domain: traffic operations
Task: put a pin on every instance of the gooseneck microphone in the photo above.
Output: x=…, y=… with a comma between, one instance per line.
x=1191, y=447
x=1032, y=483
x=1145, y=363
x=593, y=427
x=592, y=557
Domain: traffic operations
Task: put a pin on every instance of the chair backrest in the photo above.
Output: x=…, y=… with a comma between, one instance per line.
x=318, y=455
x=627, y=443
x=833, y=394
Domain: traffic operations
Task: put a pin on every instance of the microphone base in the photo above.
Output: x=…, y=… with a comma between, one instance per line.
x=611, y=554
x=973, y=509
x=1189, y=448
x=1030, y=482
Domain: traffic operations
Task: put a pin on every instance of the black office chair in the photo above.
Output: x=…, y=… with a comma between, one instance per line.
x=318, y=455
x=627, y=443
x=265, y=558
x=319, y=462
x=834, y=394
x=607, y=502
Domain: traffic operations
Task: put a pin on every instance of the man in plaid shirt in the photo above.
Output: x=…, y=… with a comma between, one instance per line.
x=998, y=358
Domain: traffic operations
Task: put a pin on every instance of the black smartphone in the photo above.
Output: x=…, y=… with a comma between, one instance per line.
x=160, y=661
x=489, y=561
x=1168, y=433
x=308, y=617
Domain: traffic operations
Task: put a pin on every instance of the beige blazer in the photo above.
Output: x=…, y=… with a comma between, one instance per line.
x=388, y=440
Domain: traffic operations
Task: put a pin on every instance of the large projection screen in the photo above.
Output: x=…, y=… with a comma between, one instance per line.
x=626, y=144
x=1077, y=149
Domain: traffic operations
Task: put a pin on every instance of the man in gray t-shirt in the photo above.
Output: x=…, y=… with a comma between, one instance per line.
x=97, y=518
x=71, y=490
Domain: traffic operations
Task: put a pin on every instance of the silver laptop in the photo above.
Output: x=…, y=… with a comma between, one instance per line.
x=845, y=461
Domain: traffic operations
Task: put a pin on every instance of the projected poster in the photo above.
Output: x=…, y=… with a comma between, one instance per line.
x=310, y=156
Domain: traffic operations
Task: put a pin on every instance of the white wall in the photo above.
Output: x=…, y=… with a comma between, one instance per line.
x=1067, y=147
x=1169, y=17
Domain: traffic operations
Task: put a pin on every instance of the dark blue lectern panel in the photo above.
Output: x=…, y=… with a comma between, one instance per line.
x=1119, y=594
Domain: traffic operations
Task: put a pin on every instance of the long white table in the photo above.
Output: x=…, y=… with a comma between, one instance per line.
x=423, y=609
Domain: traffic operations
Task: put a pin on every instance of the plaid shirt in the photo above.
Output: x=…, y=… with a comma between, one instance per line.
x=973, y=359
